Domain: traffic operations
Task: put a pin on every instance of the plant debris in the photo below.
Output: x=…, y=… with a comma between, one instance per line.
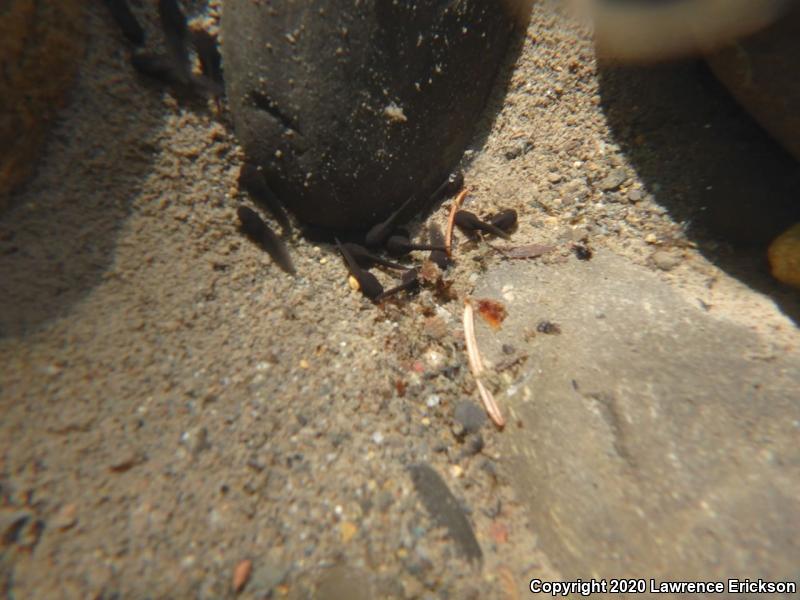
x=492, y=311
x=477, y=367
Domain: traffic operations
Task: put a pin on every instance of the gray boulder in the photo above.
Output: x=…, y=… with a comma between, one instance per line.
x=656, y=440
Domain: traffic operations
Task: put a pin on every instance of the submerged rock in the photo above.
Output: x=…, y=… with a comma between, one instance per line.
x=351, y=108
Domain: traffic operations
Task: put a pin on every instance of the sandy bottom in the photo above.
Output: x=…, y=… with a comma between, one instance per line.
x=173, y=404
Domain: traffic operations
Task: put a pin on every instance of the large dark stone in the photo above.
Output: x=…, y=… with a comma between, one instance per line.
x=352, y=107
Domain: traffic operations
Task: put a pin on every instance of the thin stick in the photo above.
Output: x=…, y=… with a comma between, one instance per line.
x=448, y=236
x=477, y=367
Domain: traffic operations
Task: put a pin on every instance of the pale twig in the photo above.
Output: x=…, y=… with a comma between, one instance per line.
x=477, y=367
x=448, y=236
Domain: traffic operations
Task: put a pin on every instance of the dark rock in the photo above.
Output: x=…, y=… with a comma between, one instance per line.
x=518, y=149
x=469, y=416
x=473, y=444
x=352, y=108
x=445, y=510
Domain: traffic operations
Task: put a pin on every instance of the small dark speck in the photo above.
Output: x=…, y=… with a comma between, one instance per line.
x=548, y=327
x=582, y=251
x=508, y=349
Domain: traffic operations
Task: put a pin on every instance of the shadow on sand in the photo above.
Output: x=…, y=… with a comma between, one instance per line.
x=708, y=163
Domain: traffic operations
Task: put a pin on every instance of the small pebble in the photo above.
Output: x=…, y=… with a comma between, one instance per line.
x=432, y=401
x=784, y=256
x=267, y=577
x=554, y=177
x=635, y=195
x=469, y=415
x=195, y=440
x=347, y=530
x=377, y=437
x=473, y=444
x=518, y=149
x=666, y=261
x=613, y=180
x=66, y=517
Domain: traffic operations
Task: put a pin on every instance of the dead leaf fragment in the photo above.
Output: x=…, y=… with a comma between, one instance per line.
x=241, y=575
x=448, y=236
x=492, y=311
x=476, y=366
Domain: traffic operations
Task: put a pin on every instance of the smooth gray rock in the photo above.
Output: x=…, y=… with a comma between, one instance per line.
x=656, y=440
x=353, y=107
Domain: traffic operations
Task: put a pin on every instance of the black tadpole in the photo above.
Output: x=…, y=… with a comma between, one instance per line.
x=157, y=66
x=439, y=257
x=379, y=233
x=126, y=21
x=450, y=186
x=367, y=260
x=207, y=50
x=367, y=282
x=259, y=232
x=252, y=180
x=176, y=30
x=398, y=245
x=470, y=223
x=505, y=220
x=409, y=281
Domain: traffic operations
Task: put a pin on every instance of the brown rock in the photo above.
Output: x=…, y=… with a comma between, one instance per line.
x=761, y=73
x=41, y=44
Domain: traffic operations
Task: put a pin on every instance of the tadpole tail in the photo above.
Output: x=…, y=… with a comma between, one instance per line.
x=174, y=25
x=427, y=247
x=489, y=228
x=352, y=265
x=126, y=21
x=207, y=50
x=277, y=249
x=389, y=264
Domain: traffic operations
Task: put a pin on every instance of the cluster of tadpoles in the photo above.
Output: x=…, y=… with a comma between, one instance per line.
x=174, y=67
x=396, y=242
x=385, y=237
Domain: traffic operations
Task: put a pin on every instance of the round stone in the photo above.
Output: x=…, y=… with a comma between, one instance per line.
x=351, y=108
